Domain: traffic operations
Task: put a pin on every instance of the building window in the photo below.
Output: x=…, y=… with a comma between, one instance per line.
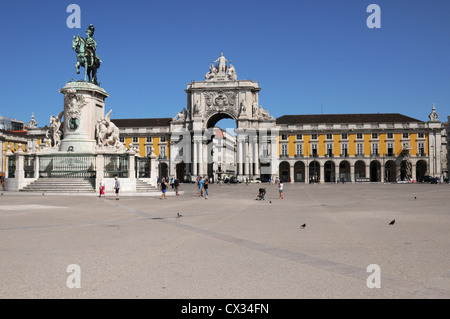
x=390, y=149
x=360, y=149
x=375, y=135
x=405, y=135
x=329, y=136
x=359, y=136
x=344, y=149
x=314, y=136
x=374, y=148
x=148, y=150
x=162, y=151
x=299, y=136
x=149, y=139
x=390, y=135
x=344, y=136
x=421, y=149
x=284, y=150
x=329, y=150
x=162, y=139
x=135, y=139
x=284, y=137
x=299, y=149
x=314, y=149
x=121, y=139
x=421, y=135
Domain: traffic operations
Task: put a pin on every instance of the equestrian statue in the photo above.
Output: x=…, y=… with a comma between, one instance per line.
x=86, y=56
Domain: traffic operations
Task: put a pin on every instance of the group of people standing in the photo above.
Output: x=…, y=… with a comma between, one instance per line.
x=203, y=184
x=174, y=182
x=116, y=187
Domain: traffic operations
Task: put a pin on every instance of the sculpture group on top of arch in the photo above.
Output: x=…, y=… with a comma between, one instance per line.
x=221, y=71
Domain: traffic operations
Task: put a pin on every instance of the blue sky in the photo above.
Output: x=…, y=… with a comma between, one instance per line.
x=309, y=56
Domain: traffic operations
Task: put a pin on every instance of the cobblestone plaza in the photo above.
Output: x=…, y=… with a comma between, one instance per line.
x=231, y=245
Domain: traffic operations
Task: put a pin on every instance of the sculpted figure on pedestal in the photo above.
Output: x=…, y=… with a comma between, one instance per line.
x=54, y=133
x=232, y=73
x=221, y=68
x=107, y=134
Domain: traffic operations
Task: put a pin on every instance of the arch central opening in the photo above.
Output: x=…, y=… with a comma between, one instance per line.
x=225, y=120
x=222, y=147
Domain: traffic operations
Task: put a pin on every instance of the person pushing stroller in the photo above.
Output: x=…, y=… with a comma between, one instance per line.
x=261, y=194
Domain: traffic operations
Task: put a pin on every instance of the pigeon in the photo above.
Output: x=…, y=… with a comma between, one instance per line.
x=414, y=197
x=270, y=202
x=179, y=215
x=303, y=226
x=392, y=222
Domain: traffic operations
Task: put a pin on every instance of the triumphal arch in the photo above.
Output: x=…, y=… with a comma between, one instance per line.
x=219, y=96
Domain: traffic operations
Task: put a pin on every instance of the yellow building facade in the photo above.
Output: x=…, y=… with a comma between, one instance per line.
x=354, y=148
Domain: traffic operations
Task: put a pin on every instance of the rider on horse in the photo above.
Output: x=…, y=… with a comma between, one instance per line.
x=91, y=46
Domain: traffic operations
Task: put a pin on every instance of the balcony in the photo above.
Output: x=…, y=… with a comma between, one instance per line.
x=421, y=153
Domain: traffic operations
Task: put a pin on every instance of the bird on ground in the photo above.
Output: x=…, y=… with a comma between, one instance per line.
x=414, y=197
x=270, y=202
x=392, y=222
x=303, y=226
x=179, y=215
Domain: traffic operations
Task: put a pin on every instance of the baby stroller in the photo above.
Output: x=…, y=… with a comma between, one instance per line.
x=261, y=194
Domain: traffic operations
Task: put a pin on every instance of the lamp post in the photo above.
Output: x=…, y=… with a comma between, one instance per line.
x=433, y=159
x=159, y=161
x=315, y=173
x=249, y=157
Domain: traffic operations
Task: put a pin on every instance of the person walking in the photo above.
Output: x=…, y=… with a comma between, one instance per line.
x=280, y=188
x=200, y=187
x=163, y=189
x=116, y=187
x=102, y=188
x=205, y=186
x=176, y=183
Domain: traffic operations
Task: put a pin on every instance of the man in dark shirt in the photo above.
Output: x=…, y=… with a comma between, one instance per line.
x=177, y=185
x=163, y=189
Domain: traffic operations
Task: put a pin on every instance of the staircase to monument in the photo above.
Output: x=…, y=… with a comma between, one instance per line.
x=61, y=185
x=142, y=186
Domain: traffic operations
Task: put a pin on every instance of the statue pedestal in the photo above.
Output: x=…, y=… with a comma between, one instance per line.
x=84, y=106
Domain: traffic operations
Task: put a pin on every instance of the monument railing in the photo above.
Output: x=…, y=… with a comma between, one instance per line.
x=11, y=167
x=28, y=166
x=67, y=166
x=116, y=165
x=143, y=167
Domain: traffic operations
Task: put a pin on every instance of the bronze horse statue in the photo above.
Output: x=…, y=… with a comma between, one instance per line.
x=86, y=58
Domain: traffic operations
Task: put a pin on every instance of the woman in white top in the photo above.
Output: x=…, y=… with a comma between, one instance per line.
x=280, y=186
